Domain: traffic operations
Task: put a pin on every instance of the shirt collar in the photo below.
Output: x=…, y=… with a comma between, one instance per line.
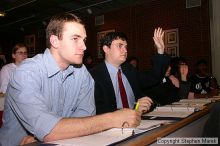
x=51, y=65
x=112, y=69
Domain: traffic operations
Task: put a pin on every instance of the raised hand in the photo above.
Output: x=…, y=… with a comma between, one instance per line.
x=175, y=81
x=158, y=40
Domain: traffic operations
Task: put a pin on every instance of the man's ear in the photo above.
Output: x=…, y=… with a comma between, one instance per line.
x=13, y=55
x=105, y=49
x=54, y=41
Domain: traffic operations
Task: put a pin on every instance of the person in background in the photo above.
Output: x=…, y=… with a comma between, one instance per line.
x=87, y=60
x=179, y=75
x=203, y=84
x=133, y=61
x=114, y=72
x=19, y=53
x=174, y=86
x=51, y=96
x=2, y=58
x=165, y=92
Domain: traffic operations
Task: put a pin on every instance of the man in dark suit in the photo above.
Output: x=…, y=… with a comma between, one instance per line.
x=108, y=95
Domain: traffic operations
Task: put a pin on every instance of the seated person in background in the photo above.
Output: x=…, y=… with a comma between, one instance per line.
x=19, y=53
x=179, y=76
x=203, y=84
x=114, y=71
x=173, y=86
x=51, y=97
x=133, y=61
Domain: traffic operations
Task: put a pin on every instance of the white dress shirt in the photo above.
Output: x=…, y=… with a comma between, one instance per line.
x=5, y=76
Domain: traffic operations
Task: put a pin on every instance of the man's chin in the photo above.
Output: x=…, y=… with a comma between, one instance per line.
x=122, y=61
x=77, y=62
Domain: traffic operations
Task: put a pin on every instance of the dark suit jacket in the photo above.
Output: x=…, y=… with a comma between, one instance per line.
x=166, y=92
x=104, y=91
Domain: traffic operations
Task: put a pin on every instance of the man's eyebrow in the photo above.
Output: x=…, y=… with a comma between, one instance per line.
x=76, y=35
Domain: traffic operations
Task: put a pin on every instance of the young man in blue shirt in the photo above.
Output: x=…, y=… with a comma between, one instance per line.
x=51, y=97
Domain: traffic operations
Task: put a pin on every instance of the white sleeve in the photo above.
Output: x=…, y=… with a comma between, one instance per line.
x=4, y=79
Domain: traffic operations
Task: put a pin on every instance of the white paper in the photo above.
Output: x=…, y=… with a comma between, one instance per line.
x=110, y=136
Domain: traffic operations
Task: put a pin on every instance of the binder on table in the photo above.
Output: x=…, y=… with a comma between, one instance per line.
x=169, y=112
x=113, y=136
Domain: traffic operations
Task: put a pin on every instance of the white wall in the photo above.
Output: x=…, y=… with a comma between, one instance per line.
x=215, y=37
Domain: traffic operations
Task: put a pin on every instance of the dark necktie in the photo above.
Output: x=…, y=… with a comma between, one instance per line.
x=122, y=91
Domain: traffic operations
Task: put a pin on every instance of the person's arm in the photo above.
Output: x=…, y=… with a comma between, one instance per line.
x=27, y=139
x=160, y=64
x=175, y=81
x=33, y=107
x=184, y=89
x=74, y=127
x=4, y=79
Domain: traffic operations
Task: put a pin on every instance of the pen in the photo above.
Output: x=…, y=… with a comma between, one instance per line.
x=136, y=106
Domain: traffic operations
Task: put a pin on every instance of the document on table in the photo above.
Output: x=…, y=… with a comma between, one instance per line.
x=111, y=136
x=181, y=109
x=169, y=111
x=201, y=100
x=168, y=114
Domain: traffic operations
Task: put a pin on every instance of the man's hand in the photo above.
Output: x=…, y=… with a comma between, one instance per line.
x=158, y=40
x=144, y=104
x=131, y=117
x=27, y=139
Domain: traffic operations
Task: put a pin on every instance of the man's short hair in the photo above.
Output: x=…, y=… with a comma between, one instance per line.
x=110, y=37
x=55, y=26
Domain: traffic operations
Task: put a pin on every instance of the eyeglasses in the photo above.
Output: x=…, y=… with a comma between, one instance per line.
x=119, y=45
x=21, y=53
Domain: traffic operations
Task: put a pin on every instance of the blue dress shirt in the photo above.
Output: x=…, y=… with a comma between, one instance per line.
x=40, y=94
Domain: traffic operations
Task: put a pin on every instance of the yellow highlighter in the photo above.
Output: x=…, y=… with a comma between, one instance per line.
x=136, y=106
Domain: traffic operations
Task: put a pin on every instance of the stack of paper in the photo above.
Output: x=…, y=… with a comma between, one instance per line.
x=169, y=113
x=111, y=136
x=191, y=105
x=181, y=109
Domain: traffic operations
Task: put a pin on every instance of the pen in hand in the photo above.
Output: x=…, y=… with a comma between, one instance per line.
x=136, y=106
